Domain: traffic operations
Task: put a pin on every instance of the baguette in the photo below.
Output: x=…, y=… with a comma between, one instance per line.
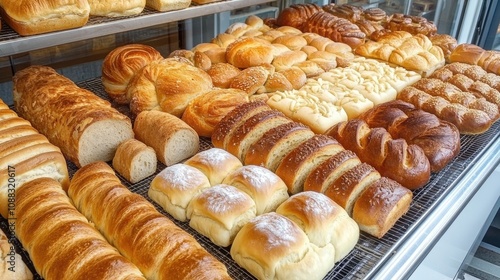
x=171, y=138
x=61, y=242
x=159, y=248
x=85, y=127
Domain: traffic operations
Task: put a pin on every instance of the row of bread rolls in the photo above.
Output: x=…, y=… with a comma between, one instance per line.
x=61, y=242
x=489, y=60
x=25, y=154
x=306, y=161
x=48, y=15
x=304, y=238
x=84, y=126
x=147, y=238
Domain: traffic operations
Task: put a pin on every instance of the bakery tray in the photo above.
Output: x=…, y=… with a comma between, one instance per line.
x=369, y=253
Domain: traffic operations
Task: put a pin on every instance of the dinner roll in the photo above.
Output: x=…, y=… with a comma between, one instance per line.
x=215, y=163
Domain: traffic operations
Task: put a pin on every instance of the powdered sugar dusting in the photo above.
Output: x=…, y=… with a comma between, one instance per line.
x=214, y=156
x=317, y=204
x=221, y=199
x=277, y=230
x=258, y=176
x=182, y=177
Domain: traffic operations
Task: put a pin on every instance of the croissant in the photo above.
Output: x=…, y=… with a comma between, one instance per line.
x=155, y=244
x=61, y=242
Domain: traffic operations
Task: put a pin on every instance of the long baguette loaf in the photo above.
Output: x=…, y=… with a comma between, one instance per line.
x=25, y=155
x=393, y=158
x=61, y=242
x=155, y=244
x=84, y=126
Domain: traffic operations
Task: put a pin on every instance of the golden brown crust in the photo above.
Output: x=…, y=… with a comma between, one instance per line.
x=222, y=74
x=446, y=42
x=35, y=17
x=167, y=85
x=412, y=24
x=297, y=15
x=379, y=207
x=121, y=64
x=205, y=111
x=248, y=52
x=116, y=9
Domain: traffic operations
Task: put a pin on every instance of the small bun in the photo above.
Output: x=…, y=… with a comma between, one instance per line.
x=222, y=74
x=215, y=163
x=248, y=52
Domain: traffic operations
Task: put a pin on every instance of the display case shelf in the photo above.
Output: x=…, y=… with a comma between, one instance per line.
x=11, y=43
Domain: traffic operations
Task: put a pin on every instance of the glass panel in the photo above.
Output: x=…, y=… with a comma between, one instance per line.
x=496, y=43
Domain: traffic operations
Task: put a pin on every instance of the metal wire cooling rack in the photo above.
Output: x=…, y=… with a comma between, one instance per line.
x=369, y=252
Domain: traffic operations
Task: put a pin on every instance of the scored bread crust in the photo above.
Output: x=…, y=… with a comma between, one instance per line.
x=30, y=17
x=84, y=126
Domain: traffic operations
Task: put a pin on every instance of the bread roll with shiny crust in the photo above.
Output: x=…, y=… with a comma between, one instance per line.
x=393, y=158
x=446, y=42
x=271, y=246
x=21, y=271
x=271, y=148
x=29, y=18
x=224, y=129
x=288, y=59
x=222, y=74
x=220, y=212
x=251, y=130
x=295, y=76
x=142, y=234
x=293, y=42
x=167, y=85
x=134, y=160
x=475, y=55
x=171, y=138
x=296, y=15
x=197, y=58
x=321, y=177
x=205, y=111
x=263, y=186
x=323, y=220
x=215, y=163
x=251, y=80
x=175, y=186
x=248, y=52
x=121, y=64
x=116, y=9
x=349, y=186
x=84, y=126
x=297, y=164
x=165, y=5
x=379, y=207
x=440, y=140
x=46, y=219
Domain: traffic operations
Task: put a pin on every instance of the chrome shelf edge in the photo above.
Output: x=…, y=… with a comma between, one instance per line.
x=409, y=254
x=31, y=43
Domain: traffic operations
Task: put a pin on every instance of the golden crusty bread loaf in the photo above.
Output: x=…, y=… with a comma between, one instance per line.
x=205, y=111
x=272, y=246
x=85, y=127
x=446, y=42
x=174, y=188
x=171, y=138
x=61, y=242
x=135, y=160
x=323, y=220
x=215, y=163
x=121, y=64
x=473, y=54
x=159, y=248
x=222, y=74
x=393, y=158
x=271, y=148
x=168, y=5
x=412, y=24
x=296, y=15
x=379, y=207
x=116, y=8
x=28, y=17
x=263, y=186
x=299, y=162
x=197, y=58
x=26, y=155
x=219, y=212
x=167, y=85
x=250, y=51
x=440, y=140
x=12, y=269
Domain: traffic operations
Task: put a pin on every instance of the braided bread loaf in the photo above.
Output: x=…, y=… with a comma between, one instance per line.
x=475, y=55
x=297, y=15
x=393, y=158
x=440, y=140
x=61, y=242
x=412, y=24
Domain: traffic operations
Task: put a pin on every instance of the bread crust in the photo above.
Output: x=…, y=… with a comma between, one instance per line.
x=116, y=9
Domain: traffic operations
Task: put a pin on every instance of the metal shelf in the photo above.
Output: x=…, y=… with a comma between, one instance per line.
x=97, y=26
